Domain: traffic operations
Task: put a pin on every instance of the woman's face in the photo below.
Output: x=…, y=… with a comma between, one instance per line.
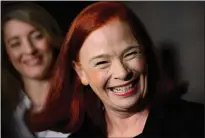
x=28, y=49
x=112, y=63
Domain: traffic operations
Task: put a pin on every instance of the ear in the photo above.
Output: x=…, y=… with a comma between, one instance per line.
x=81, y=74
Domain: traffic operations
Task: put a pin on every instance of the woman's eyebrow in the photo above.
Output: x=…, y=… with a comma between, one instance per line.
x=99, y=56
x=130, y=47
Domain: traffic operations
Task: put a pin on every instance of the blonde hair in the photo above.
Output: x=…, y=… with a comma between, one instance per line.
x=38, y=17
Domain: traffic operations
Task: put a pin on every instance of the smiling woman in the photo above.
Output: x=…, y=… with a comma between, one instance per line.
x=114, y=68
x=23, y=42
x=32, y=39
x=108, y=73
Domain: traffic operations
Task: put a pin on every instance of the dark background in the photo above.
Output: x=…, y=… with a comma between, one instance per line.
x=176, y=28
x=63, y=11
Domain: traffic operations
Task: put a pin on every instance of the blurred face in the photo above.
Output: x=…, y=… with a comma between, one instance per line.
x=28, y=49
x=112, y=63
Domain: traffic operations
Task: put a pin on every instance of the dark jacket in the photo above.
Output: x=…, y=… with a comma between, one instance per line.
x=178, y=119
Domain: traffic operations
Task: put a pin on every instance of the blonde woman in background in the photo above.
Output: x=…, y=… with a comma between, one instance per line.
x=32, y=39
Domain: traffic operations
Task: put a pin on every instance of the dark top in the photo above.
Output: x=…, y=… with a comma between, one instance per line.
x=179, y=119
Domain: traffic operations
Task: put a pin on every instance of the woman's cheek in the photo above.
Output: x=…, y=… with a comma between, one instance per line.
x=137, y=64
x=98, y=78
x=43, y=44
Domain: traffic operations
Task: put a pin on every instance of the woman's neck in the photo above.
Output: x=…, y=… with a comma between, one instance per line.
x=37, y=91
x=122, y=124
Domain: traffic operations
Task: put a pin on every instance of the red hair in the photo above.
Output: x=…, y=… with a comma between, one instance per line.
x=67, y=92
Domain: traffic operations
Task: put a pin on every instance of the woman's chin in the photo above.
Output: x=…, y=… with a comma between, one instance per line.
x=127, y=99
x=35, y=75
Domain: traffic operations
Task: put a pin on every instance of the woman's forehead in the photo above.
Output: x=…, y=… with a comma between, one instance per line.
x=112, y=37
x=16, y=27
x=109, y=34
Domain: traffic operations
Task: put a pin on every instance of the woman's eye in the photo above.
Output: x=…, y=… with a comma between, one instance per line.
x=131, y=54
x=37, y=35
x=16, y=44
x=101, y=63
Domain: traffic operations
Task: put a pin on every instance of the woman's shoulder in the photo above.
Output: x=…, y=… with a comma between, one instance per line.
x=88, y=129
x=177, y=118
x=184, y=118
x=185, y=108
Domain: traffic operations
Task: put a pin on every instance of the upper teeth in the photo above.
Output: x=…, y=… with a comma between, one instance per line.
x=122, y=89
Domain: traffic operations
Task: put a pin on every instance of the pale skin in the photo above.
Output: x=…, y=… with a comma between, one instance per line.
x=115, y=54
x=126, y=125
x=30, y=53
x=37, y=91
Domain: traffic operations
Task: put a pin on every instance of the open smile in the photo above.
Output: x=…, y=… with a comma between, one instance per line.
x=33, y=61
x=126, y=89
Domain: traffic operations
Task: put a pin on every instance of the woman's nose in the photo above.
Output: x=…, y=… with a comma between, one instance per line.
x=120, y=71
x=29, y=47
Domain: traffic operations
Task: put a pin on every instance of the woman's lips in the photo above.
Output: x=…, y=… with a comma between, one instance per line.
x=33, y=62
x=125, y=90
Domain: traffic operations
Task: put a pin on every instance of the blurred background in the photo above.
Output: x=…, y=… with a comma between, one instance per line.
x=176, y=28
